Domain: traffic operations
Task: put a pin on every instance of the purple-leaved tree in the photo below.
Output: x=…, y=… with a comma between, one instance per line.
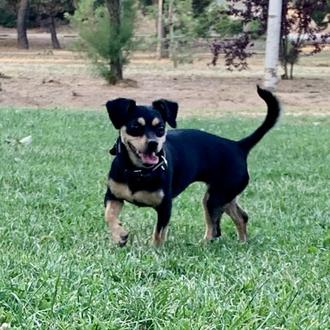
x=303, y=22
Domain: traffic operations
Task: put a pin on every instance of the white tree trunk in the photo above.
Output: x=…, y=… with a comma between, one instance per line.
x=160, y=35
x=172, y=47
x=273, y=43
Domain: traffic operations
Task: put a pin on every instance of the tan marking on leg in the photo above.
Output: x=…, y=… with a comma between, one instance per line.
x=243, y=213
x=155, y=121
x=208, y=221
x=118, y=233
x=233, y=210
x=141, y=121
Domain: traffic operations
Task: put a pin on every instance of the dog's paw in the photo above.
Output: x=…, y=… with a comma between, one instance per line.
x=120, y=236
x=211, y=239
x=157, y=242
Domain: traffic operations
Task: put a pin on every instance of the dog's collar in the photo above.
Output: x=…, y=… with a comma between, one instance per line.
x=141, y=172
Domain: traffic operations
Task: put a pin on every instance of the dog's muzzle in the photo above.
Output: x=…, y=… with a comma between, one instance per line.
x=152, y=146
x=147, y=157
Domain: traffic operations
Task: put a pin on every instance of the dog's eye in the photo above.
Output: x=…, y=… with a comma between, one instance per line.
x=160, y=130
x=136, y=130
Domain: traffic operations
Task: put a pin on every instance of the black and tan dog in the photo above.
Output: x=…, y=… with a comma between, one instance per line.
x=153, y=166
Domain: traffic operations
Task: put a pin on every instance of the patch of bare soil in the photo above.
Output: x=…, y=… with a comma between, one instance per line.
x=42, y=78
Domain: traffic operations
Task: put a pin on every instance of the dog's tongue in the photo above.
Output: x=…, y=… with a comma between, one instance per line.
x=150, y=159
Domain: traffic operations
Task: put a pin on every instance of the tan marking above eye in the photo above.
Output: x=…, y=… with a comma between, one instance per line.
x=155, y=121
x=141, y=121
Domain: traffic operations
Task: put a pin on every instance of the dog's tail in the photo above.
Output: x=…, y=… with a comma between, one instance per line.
x=273, y=114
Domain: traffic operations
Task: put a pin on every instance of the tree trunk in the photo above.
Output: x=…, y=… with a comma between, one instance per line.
x=116, y=64
x=273, y=43
x=284, y=57
x=172, y=43
x=22, y=40
x=160, y=31
x=116, y=69
x=291, y=70
x=52, y=30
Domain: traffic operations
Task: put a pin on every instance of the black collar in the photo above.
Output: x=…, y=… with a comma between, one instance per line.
x=134, y=171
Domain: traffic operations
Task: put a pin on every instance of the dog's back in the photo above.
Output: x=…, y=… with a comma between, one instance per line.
x=195, y=155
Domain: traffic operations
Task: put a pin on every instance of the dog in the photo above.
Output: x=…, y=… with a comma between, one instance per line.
x=152, y=166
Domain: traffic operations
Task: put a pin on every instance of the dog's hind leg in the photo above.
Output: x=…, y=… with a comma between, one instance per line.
x=240, y=218
x=243, y=213
x=213, y=212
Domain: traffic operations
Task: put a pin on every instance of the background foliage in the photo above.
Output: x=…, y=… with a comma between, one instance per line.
x=101, y=40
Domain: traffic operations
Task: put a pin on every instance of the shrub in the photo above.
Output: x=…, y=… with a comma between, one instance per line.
x=105, y=43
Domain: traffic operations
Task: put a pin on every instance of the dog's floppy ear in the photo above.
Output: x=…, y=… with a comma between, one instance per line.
x=118, y=110
x=168, y=110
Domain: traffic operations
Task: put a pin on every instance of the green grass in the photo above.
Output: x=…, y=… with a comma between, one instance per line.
x=58, y=269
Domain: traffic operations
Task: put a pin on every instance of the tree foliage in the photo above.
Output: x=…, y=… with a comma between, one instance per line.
x=9, y=8
x=181, y=26
x=303, y=21
x=8, y=13
x=214, y=20
x=199, y=6
x=106, y=43
x=53, y=8
x=47, y=12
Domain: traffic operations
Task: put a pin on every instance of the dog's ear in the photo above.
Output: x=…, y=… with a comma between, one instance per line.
x=168, y=110
x=118, y=111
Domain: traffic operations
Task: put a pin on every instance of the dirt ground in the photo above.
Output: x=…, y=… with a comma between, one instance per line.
x=44, y=78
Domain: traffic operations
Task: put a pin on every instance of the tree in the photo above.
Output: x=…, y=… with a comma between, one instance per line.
x=144, y=4
x=176, y=29
x=160, y=31
x=199, y=6
x=48, y=10
x=106, y=31
x=300, y=28
x=215, y=20
x=116, y=63
x=22, y=40
x=297, y=28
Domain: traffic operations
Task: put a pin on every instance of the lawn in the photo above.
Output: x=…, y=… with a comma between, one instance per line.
x=58, y=270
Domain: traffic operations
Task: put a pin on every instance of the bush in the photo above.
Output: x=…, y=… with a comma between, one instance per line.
x=104, y=44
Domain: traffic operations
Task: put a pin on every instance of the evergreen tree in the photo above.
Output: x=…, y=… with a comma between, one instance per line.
x=106, y=31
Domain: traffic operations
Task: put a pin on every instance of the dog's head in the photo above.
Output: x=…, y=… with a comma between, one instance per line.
x=142, y=128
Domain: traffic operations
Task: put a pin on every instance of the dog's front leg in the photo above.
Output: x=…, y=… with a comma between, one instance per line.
x=163, y=218
x=118, y=233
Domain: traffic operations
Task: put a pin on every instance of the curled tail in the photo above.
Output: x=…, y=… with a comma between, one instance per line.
x=273, y=114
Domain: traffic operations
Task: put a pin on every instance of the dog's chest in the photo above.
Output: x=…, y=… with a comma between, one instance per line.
x=139, y=197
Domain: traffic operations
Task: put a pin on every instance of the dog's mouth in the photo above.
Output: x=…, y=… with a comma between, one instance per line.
x=147, y=158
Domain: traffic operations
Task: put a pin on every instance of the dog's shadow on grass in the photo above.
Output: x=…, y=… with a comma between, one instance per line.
x=186, y=238
x=190, y=246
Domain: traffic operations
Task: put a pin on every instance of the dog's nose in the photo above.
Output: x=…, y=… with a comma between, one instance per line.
x=152, y=145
